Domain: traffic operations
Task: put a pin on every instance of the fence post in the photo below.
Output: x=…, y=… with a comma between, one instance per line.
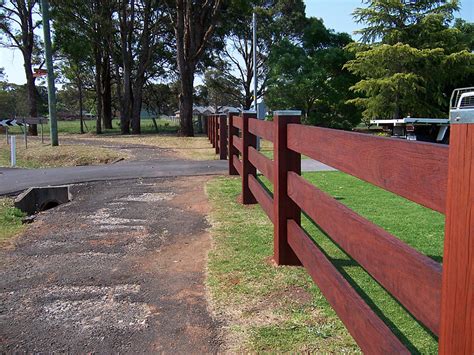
x=248, y=140
x=457, y=302
x=204, y=124
x=230, y=145
x=216, y=133
x=210, y=130
x=284, y=208
x=223, y=136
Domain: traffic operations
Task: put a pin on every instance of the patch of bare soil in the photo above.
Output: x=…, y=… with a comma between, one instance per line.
x=119, y=269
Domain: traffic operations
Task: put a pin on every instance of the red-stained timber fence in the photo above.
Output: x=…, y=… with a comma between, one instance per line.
x=440, y=178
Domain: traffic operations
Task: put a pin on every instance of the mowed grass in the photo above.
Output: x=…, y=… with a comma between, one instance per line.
x=73, y=127
x=279, y=308
x=10, y=219
x=193, y=148
x=39, y=155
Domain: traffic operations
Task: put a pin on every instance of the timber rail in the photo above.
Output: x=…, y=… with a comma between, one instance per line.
x=441, y=178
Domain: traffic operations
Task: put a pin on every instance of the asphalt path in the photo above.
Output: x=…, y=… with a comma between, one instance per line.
x=13, y=181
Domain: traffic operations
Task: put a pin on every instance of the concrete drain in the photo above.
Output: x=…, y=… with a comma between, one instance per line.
x=37, y=199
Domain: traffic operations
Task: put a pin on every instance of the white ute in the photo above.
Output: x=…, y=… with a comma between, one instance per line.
x=461, y=110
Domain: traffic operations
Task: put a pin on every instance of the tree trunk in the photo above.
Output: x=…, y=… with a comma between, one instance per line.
x=98, y=90
x=126, y=103
x=81, y=108
x=32, y=93
x=106, y=93
x=186, y=103
x=136, y=110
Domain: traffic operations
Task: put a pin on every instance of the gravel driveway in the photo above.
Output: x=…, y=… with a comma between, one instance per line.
x=119, y=269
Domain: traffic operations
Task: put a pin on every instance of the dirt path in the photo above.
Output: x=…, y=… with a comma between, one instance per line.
x=119, y=269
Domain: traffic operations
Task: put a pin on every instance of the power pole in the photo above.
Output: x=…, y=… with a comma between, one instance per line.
x=53, y=123
x=255, y=82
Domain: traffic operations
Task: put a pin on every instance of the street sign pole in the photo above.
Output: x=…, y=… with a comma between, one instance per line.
x=49, y=65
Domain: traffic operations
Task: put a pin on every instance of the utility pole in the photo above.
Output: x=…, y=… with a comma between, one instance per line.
x=255, y=82
x=53, y=123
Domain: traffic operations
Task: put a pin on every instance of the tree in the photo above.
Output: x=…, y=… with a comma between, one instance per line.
x=277, y=19
x=308, y=75
x=78, y=74
x=75, y=54
x=194, y=24
x=222, y=89
x=7, y=99
x=144, y=35
x=17, y=29
x=90, y=23
x=411, y=59
x=159, y=98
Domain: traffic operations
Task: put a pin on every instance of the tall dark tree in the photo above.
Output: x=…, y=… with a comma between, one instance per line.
x=17, y=28
x=194, y=24
x=144, y=37
x=308, y=75
x=91, y=20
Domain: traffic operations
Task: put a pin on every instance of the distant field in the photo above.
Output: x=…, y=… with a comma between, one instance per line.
x=73, y=127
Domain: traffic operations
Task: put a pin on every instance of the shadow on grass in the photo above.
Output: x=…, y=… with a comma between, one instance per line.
x=349, y=262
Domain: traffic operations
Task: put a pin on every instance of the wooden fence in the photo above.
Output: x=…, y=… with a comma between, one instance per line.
x=439, y=296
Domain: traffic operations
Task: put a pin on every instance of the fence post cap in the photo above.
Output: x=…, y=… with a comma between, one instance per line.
x=287, y=113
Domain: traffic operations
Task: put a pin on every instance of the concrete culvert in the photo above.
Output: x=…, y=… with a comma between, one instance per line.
x=37, y=199
x=48, y=205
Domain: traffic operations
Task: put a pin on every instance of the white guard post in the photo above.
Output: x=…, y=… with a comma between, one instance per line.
x=13, y=151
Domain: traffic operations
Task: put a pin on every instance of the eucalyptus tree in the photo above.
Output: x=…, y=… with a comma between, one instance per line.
x=90, y=22
x=143, y=49
x=194, y=24
x=17, y=30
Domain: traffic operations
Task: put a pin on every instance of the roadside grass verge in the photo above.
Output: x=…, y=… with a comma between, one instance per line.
x=194, y=148
x=40, y=155
x=272, y=308
x=10, y=219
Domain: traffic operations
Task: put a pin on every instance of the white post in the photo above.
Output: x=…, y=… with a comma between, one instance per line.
x=13, y=150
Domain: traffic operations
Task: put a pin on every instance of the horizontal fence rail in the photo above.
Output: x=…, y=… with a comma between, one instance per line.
x=416, y=171
x=417, y=280
x=434, y=176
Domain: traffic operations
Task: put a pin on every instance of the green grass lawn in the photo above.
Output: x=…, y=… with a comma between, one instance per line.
x=10, y=219
x=264, y=304
x=73, y=127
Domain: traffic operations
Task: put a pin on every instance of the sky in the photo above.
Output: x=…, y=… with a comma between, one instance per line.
x=336, y=14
